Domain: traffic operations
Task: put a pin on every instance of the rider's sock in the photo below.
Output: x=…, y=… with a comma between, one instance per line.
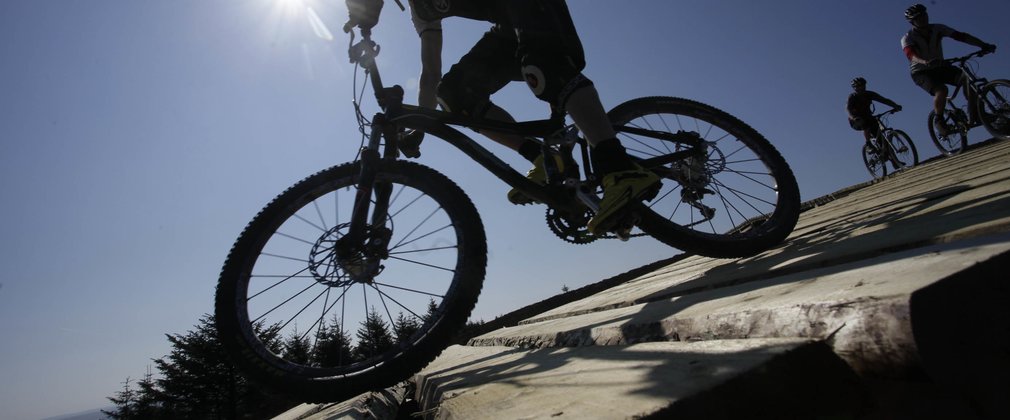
x=530, y=150
x=610, y=156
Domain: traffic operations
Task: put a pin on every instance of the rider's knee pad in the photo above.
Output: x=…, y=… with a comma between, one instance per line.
x=553, y=77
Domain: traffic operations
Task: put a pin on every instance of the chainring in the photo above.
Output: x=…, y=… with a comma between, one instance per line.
x=570, y=231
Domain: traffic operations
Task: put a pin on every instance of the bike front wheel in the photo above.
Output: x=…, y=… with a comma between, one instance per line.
x=953, y=143
x=874, y=164
x=902, y=149
x=740, y=199
x=994, y=108
x=300, y=318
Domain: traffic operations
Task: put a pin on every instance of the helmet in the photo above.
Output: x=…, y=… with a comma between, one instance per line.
x=859, y=81
x=914, y=11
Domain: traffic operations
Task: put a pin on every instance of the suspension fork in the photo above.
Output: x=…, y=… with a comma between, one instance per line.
x=366, y=185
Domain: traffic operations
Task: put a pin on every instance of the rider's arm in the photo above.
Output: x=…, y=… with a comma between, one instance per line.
x=880, y=98
x=972, y=40
x=430, y=32
x=431, y=68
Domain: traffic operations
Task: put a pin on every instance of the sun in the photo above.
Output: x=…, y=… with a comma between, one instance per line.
x=290, y=6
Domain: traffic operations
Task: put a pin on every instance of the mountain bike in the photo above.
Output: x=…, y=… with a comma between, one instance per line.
x=992, y=108
x=383, y=241
x=889, y=146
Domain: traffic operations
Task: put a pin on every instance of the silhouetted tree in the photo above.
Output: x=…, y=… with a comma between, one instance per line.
x=124, y=401
x=373, y=336
x=432, y=310
x=297, y=348
x=333, y=345
x=198, y=381
x=405, y=326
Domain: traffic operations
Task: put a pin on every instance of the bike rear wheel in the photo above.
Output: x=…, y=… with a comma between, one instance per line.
x=953, y=143
x=741, y=200
x=994, y=108
x=902, y=149
x=873, y=161
x=287, y=302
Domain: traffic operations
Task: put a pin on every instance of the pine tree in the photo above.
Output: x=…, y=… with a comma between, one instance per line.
x=148, y=399
x=432, y=311
x=199, y=381
x=124, y=401
x=297, y=348
x=404, y=327
x=373, y=336
x=333, y=346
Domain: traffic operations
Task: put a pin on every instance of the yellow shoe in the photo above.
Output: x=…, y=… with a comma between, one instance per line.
x=536, y=174
x=620, y=189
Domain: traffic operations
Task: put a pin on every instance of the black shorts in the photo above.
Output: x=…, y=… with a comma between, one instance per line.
x=864, y=123
x=523, y=30
x=930, y=79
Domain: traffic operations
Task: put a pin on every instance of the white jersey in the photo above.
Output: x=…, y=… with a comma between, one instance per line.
x=926, y=44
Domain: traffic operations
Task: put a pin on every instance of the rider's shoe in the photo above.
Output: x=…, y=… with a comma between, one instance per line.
x=536, y=174
x=409, y=143
x=942, y=129
x=620, y=189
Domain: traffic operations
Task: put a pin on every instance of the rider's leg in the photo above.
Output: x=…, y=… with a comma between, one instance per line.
x=939, y=103
x=550, y=53
x=467, y=87
x=972, y=97
x=868, y=136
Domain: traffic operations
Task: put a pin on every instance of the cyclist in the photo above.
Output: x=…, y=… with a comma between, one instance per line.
x=531, y=40
x=859, y=106
x=922, y=45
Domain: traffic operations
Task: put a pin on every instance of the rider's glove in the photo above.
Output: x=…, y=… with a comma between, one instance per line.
x=989, y=48
x=410, y=143
x=363, y=13
x=897, y=108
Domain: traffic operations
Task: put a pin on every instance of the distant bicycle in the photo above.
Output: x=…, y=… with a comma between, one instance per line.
x=993, y=105
x=889, y=146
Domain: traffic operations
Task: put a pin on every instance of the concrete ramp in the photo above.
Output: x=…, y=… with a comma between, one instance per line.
x=890, y=299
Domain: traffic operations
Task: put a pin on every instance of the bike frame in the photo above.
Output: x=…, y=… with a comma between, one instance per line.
x=881, y=137
x=973, y=81
x=397, y=115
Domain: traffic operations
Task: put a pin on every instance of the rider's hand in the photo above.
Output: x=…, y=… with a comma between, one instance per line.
x=362, y=13
x=897, y=108
x=410, y=143
x=988, y=49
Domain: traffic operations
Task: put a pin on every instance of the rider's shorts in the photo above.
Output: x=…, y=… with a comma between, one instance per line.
x=930, y=79
x=862, y=123
x=531, y=40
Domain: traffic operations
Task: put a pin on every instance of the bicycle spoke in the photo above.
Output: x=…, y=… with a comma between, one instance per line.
x=422, y=264
x=284, y=279
x=420, y=292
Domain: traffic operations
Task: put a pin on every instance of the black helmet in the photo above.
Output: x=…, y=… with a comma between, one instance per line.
x=859, y=81
x=914, y=11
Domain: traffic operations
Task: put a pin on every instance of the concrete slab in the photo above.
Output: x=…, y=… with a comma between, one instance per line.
x=864, y=307
x=959, y=197
x=717, y=379
x=382, y=404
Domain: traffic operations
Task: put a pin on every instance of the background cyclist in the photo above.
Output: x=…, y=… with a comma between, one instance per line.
x=860, y=108
x=924, y=49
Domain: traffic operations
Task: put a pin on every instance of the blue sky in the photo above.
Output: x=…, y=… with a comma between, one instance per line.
x=138, y=138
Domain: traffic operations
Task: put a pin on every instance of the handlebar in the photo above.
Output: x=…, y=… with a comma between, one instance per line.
x=890, y=111
x=962, y=59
